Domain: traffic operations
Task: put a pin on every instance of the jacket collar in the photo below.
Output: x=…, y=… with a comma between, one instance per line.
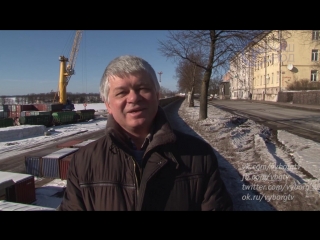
x=162, y=131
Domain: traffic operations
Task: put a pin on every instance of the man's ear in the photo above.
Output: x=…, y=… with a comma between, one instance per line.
x=108, y=107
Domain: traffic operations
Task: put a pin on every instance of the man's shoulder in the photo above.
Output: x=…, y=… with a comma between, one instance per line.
x=191, y=140
x=90, y=145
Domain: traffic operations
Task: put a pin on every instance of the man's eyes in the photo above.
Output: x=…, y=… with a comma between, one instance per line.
x=142, y=89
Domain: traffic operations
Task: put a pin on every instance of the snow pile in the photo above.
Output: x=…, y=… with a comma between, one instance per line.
x=20, y=132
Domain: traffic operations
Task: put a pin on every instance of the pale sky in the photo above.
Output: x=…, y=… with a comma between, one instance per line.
x=29, y=60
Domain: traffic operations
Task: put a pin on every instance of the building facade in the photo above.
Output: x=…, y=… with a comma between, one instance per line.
x=224, y=87
x=273, y=61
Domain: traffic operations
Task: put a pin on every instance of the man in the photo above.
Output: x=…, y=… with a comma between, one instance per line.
x=142, y=163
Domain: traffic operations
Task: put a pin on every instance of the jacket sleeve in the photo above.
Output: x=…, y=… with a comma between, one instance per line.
x=72, y=199
x=216, y=196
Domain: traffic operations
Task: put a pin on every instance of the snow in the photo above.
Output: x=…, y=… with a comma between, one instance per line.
x=262, y=171
x=23, y=137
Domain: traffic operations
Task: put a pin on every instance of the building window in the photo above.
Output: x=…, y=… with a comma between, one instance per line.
x=272, y=59
x=315, y=55
x=315, y=34
x=314, y=75
x=272, y=76
x=278, y=76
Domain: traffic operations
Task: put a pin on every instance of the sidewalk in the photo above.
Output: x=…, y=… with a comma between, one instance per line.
x=289, y=105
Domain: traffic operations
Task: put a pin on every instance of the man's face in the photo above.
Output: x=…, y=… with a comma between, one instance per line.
x=133, y=102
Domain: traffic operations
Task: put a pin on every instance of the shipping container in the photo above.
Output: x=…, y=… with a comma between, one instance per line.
x=47, y=113
x=14, y=206
x=33, y=165
x=4, y=107
x=3, y=186
x=13, y=107
x=41, y=107
x=69, y=144
x=85, y=115
x=25, y=113
x=3, y=114
x=13, y=114
x=8, y=107
x=25, y=107
x=50, y=162
x=6, y=122
x=64, y=117
x=46, y=120
x=23, y=189
x=64, y=166
x=54, y=107
x=84, y=143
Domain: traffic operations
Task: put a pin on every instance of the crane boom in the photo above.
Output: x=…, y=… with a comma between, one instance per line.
x=66, y=71
x=73, y=54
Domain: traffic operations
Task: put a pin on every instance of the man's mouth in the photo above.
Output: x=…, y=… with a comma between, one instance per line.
x=136, y=110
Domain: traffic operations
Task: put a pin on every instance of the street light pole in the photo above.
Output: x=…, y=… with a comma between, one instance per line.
x=160, y=76
x=160, y=81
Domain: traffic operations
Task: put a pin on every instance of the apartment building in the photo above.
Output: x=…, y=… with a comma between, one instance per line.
x=274, y=60
x=241, y=74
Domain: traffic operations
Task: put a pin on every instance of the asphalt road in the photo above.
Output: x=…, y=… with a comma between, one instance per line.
x=17, y=163
x=302, y=122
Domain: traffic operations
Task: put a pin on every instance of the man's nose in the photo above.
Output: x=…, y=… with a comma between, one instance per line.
x=134, y=96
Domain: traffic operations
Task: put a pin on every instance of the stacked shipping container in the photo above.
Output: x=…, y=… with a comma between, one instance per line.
x=14, y=206
x=48, y=166
x=50, y=162
x=21, y=189
x=47, y=114
x=33, y=165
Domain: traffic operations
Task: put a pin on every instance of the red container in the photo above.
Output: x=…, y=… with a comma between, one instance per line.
x=25, y=107
x=23, y=189
x=50, y=162
x=64, y=166
x=40, y=107
x=69, y=143
x=12, y=114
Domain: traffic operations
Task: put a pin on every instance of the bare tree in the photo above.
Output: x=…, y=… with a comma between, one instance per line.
x=166, y=92
x=215, y=47
x=214, y=85
x=189, y=78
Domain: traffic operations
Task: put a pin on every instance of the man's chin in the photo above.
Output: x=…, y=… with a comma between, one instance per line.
x=139, y=124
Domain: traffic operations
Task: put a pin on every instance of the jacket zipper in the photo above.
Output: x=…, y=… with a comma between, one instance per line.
x=136, y=179
x=83, y=185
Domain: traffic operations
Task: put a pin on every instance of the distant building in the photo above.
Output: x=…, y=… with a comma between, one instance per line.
x=224, y=87
x=273, y=61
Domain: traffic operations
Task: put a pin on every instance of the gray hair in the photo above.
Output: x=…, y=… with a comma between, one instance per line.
x=123, y=66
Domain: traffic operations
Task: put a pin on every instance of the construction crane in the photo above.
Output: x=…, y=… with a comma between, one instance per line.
x=67, y=70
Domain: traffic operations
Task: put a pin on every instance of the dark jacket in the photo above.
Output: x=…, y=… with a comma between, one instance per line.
x=179, y=173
